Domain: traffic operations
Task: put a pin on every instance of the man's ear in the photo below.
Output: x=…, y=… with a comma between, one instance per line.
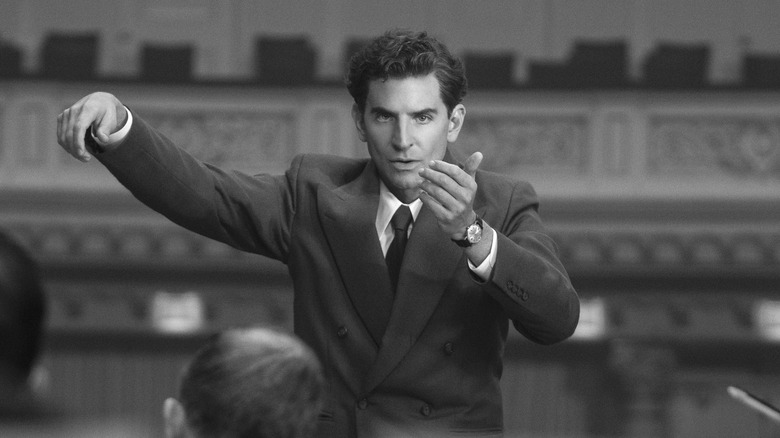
x=38, y=380
x=175, y=419
x=456, y=122
x=357, y=116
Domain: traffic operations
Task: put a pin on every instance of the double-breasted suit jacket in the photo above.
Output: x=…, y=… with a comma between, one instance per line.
x=430, y=365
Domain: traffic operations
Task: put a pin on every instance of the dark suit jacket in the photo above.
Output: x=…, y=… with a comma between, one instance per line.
x=437, y=365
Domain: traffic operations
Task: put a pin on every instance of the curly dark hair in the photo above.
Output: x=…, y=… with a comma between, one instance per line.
x=401, y=53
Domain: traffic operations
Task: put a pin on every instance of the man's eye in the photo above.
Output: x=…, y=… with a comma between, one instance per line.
x=424, y=118
x=383, y=117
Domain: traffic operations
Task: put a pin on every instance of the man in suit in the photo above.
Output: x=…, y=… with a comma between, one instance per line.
x=253, y=382
x=412, y=354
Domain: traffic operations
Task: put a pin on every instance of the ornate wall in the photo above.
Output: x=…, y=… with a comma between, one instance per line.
x=664, y=206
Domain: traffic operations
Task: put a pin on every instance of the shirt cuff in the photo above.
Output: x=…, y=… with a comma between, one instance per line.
x=118, y=137
x=485, y=268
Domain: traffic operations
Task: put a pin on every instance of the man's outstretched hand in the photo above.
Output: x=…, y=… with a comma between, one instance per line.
x=101, y=111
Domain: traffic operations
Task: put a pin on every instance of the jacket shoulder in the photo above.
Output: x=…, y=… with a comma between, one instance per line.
x=329, y=169
x=494, y=185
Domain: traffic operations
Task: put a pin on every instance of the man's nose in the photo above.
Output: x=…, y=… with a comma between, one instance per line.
x=402, y=135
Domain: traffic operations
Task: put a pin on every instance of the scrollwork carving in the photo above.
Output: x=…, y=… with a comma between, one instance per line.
x=511, y=142
x=745, y=147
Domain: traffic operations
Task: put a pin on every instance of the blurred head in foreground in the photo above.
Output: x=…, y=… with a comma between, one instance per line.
x=250, y=382
x=22, y=312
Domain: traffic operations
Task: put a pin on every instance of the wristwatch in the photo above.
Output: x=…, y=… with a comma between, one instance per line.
x=473, y=234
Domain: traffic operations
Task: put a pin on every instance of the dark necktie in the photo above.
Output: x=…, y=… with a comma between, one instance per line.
x=395, y=254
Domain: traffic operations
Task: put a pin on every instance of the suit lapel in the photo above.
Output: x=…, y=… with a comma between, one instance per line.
x=348, y=214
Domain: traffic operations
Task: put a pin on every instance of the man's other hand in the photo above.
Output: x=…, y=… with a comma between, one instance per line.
x=449, y=190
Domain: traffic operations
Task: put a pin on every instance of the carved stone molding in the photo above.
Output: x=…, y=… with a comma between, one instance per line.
x=666, y=250
x=139, y=308
x=747, y=147
x=684, y=317
x=570, y=146
x=512, y=142
x=670, y=249
x=120, y=243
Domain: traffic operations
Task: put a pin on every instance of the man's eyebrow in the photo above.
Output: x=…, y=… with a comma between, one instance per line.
x=382, y=110
x=431, y=111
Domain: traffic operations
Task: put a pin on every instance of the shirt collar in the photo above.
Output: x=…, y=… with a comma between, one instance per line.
x=388, y=204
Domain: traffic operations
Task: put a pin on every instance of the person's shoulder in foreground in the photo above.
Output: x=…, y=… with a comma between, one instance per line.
x=22, y=315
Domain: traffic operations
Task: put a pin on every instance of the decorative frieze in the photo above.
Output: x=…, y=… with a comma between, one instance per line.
x=614, y=144
x=738, y=146
x=511, y=143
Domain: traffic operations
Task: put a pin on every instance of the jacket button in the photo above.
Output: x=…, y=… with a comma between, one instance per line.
x=362, y=404
x=523, y=295
x=448, y=348
x=342, y=332
x=425, y=410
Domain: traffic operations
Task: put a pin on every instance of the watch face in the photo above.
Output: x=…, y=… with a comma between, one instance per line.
x=474, y=233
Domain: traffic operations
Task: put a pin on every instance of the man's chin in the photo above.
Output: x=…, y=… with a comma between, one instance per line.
x=409, y=181
x=405, y=185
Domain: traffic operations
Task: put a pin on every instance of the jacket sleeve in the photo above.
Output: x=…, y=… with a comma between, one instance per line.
x=528, y=279
x=249, y=212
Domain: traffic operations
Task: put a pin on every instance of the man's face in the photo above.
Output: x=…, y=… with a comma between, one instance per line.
x=405, y=125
